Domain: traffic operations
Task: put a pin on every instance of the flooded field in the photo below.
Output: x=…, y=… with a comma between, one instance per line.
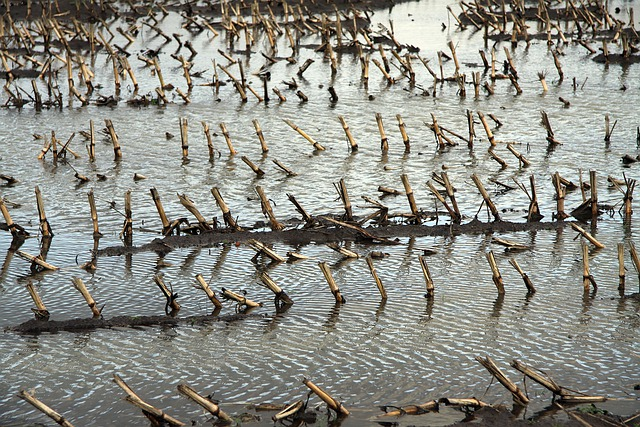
x=365, y=352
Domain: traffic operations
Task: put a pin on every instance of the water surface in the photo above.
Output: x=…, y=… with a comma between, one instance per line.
x=406, y=350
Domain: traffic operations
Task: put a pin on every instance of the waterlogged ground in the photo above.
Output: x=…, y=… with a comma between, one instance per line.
x=367, y=353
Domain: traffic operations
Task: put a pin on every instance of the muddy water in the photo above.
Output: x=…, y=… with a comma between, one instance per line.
x=405, y=351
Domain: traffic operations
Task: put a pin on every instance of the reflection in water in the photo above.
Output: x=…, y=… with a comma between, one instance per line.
x=348, y=164
x=281, y=306
x=626, y=227
x=128, y=264
x=335, y=422
x=7, y=260
x=92, y=265
x=45, y=245
x=380, y=309
x=36, y=276
x=81, y=340
x=558, y=248
x=168, y=333
x=220, y=261
x=518, y=411
x=407, y=261
x=161, y=263
x=332, y=320
x=342, y=262
x=428, y=312
x=550, y=411
x=384, y=159
x=216, y=311
x=411, y=243
x=117, y=168
x=32, y=343
x=190, y=259
x=587, y=303
x=243, y=309
x=267, y=264
x=497, y=306
x=527, y=299
x=273, y=321
x=448, y=249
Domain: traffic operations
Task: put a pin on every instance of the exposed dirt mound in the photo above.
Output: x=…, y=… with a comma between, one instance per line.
x=77, y=325
x=322, y=235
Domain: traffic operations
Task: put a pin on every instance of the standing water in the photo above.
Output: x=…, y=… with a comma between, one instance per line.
x=366, y=352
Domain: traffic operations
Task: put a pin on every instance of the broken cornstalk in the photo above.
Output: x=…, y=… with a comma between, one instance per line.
x=384, y=141
x=495, y=272
x=229, y=220
x=565, y=395
x=530, y=288
x=352, y=143
x=518, y=396
x=40, y=311
x=260, y=248
x=547, y=125
x=560, y=195
x=227, y=138
x=163, y=216
x=485, y=196
x=341, y=188
x=191, y=207
x=302, y=133
x=127, y=228
x=427, y=277
x=403, y=132
x=202, y=284
x=330, y=401
x=16, y=230
x=155, y=415
x=37, y=260
x=383, y=292
x=206, y=403
x=332, y=283
x=487, y=129
x=172, y=298
x=412, y=201
x=260, y=135
x=343, y=251
x=29, y=398
x=634, y=258
x=280, y=295
x=184, y=137
x=431, y=406
x=267, y=211
x=240, y=299
x=587, y=277
x=45, y=228
x=586, y=235
x=80, y=286
x=114, y=139
x=621, y=269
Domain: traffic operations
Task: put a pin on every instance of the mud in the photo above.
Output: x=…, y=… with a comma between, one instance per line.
x=501, y=416
x=35, y=327
x=303, y=236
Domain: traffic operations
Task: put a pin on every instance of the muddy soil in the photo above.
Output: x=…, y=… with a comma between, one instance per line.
x=326, y=234
x=501, y=416
x=88, y=324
